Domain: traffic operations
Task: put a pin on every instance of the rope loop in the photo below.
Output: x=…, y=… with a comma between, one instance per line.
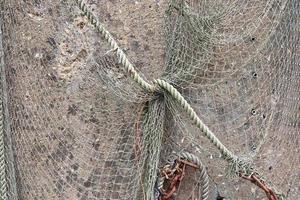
x=236, y=164
x=160, y=85
x=203, y=174
x=175, y=172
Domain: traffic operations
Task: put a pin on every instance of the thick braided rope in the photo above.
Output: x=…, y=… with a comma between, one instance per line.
x=195, y=119
x=3, y=184
x=203, y=174
x=160, y=182
x=237, y=165
x=136, y=77
x=114, y=45
x=159, y=187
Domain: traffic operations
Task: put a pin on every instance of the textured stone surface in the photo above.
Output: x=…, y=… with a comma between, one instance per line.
x=60, y=154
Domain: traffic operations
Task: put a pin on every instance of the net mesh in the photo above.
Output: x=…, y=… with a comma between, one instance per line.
x=76, y=126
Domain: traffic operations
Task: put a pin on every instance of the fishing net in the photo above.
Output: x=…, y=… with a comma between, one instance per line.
x=80, y=122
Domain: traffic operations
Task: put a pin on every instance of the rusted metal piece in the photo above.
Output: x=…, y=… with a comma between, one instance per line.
x=189, y=164
x=173, y=177
x=261, y=184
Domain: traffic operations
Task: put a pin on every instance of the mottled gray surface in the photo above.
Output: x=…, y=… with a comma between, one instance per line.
x=71, y=137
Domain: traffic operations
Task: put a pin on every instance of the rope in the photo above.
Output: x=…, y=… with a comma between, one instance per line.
x=203, y=174
x=3, y=182
x=236, y=165
x=194, y=118
x=3, y=187
x=161, y=83
x=114, y=45
x=159, y=186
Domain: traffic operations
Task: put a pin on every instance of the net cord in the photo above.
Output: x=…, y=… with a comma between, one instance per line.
x=161, y=83
x=236, y=165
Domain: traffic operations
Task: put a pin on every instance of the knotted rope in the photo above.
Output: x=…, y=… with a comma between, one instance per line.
x=236, y=165
x=158, y=85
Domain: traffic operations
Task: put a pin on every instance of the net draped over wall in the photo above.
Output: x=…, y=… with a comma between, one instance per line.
x=77, y=126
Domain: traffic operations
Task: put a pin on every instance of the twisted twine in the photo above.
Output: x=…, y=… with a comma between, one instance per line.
x=194, y=118
x=203, y=174
x=3, y=181
x=236, y=165
x=161, y=83
x=114, y=45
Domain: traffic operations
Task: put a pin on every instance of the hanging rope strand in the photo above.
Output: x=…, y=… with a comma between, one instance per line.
x=3, y=184
x=161, y=83
x=195, y=119
x=236, y=165
x=114, y=45
x=203, y=174
x=3, y=181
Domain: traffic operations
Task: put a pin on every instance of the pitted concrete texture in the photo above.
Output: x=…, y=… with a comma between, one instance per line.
x=71, y=137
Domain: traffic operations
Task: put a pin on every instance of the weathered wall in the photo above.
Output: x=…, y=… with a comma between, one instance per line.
x=59, y=154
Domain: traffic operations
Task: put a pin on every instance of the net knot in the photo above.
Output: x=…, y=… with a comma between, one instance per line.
x=161, y=86
x=239, y=165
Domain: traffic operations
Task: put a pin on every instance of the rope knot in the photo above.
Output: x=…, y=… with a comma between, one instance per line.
x=162, y=85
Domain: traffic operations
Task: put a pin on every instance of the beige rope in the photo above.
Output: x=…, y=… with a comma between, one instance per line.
x=236, y=165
